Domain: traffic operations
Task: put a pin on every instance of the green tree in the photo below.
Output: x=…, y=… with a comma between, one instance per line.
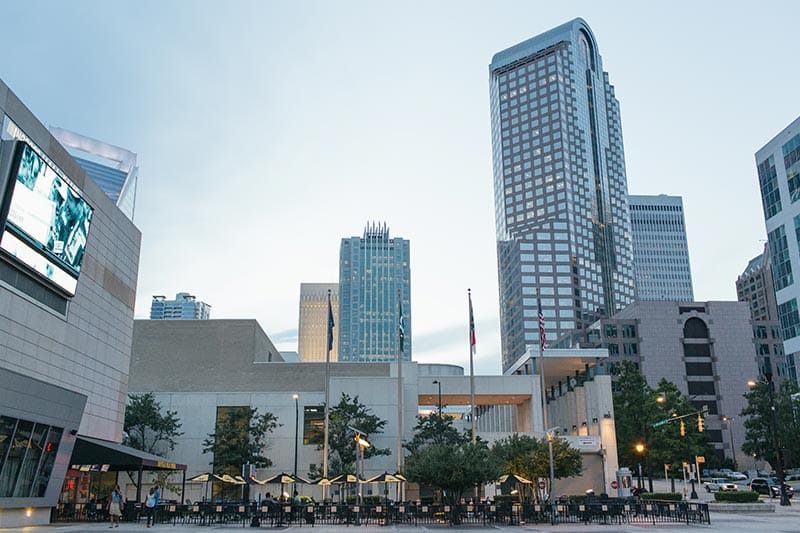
x=240, y=437
x=530, y=458
x=435, y=429
x=348, y=413
x=149, y=429
x=761, y=433
x=455, y=468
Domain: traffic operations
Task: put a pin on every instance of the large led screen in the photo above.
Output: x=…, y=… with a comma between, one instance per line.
x=48, y=221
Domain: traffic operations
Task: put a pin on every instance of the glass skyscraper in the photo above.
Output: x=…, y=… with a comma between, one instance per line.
x=563, y=226
x=111, y=167
x=660, y=248
x=184, y=307
x=372, y=269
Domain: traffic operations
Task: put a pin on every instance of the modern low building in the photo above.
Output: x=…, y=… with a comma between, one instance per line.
x=185, y=306
x=199, y=383
x=111, y=167
x=707, y=349
x=312, y=331
x=69, y=262
x=660, y=248
x=778, y=165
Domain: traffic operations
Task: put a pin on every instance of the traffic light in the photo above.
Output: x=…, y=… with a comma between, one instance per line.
x=701, y=425
x=683, y=429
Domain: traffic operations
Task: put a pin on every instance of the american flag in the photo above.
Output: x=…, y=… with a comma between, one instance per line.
x=472, y=339
x=542, y=334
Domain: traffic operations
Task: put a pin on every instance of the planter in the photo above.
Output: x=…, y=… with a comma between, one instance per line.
x=724, y=507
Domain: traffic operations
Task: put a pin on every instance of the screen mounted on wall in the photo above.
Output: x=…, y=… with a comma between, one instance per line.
x=48, y=220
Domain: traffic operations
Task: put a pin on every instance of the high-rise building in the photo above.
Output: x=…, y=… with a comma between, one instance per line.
x=184, y=307
x=111, y=167
x=660, y=251
x=312, y=331
x=373, y=270
x=563, y=226
x=778, y=165
x=755, y=286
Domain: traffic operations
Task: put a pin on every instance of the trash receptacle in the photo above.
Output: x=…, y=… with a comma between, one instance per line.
x=624, y=482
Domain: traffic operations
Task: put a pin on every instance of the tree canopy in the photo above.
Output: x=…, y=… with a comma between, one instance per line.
x=435, y=429
x=760, y=433
x=240, y=437
x=149, y=429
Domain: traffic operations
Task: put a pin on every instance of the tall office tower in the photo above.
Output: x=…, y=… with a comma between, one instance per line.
x=183, y=307
x=312, y=332
x=660, y=251
x=111, y=167
x=561, y=211
x=372, y=268
x=755, y=286
x=778, y=165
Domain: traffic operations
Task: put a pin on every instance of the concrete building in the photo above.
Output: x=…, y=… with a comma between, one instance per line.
x=705, y=348
x=312, y=331
x=373, y=270
x=66, y=314
x=185, y=306
x=196, y=381
x=778, y=165
x=660, y=248
x=561, y=207
x=111, y=167
x=755, y=286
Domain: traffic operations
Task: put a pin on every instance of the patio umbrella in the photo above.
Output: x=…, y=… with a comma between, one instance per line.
x=402, y=479
x=205, y=477
x=346, y=479
x=516, y=479
x=385, y=478
x=284, y=479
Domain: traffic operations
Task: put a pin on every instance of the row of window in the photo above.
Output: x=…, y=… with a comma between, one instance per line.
x=27, y=454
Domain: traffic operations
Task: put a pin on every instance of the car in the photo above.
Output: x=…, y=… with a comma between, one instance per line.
x=720, y=484
x=769, y=487
x=735, y=475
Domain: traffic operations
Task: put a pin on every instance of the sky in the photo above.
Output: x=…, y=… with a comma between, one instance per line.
x=268, y=131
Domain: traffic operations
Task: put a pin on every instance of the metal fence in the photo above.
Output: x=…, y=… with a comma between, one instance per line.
x=612, y=511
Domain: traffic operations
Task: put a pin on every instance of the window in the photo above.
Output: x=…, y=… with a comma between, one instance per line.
x=701, y=388
x=791, y=161
x=699, y=369
x=629, y=331
x=27, y=453
x=694, y=328
x=790, y=319
x=779, y=252
x=611, y=330
x=313, y=422
x=696, y=350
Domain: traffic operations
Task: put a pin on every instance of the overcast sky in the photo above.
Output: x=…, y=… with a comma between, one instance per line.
x=267, y=131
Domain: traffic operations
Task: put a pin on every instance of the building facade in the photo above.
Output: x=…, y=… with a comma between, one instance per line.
x=374, y=270
x=778, y=165
x=755, y=286
x=66, y=314
x=111, y=167
x=312, y=330
x=193, y=383
x=185, y=306
x=561, y=211
x=660, y=249
x=707, y=349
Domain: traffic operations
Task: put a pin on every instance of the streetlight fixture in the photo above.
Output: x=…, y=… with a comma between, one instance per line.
x=729, y=420
x=296, y=398
x=753, y=385
x=439, y=383
x=639, y=447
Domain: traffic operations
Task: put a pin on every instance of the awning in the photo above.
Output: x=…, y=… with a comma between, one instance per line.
x=102, y=455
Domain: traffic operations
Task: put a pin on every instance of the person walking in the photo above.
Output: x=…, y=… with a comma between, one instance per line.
x=150, y=503
x=116, y=503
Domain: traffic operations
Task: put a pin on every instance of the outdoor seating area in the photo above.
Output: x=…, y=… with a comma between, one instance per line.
x=276, y=514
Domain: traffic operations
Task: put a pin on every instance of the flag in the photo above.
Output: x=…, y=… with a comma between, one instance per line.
x=330, y=323
x=401, y=326
x=542, y=334
x=472, y=339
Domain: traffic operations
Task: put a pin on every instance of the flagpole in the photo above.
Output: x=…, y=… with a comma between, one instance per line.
x=400, y=342
x=545, y=421
x=472, y=369
x=327, y=390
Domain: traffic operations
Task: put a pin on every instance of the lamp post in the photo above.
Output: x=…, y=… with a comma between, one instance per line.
x=296, y=398
x=729, y=420
x=640, y=451
x=774, y=423
x=439, y=383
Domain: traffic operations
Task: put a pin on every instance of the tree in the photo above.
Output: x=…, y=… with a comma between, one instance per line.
x=530, y=458
x=760, y=434
x=636, y=409
x=435, y=429
x=455, y=468
x=348, y=413
x=240, y=437
x=146, y=428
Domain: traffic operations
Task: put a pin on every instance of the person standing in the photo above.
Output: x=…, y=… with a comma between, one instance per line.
x=150, y=503
x=116, y=502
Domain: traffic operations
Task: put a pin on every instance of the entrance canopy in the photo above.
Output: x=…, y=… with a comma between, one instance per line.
x=92, y=454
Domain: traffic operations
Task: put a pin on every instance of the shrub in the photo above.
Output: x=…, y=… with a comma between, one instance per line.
x=744, y=496
x=665, y=496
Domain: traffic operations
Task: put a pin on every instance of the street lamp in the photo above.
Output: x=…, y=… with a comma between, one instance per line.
x=639, y=447
x=729, y=420
x=774, y=423
x=296, y=398
x=439, y=383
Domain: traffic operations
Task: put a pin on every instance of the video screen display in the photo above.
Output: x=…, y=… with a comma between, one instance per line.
x=48, y=221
